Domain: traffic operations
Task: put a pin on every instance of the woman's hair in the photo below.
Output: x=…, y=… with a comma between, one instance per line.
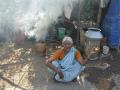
x=67, y=38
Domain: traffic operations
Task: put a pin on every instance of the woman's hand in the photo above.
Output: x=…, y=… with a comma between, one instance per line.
x=55, y=69
x=83, y=60
x=60, y=74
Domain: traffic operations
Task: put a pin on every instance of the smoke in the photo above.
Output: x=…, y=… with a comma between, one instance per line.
x=32, y=16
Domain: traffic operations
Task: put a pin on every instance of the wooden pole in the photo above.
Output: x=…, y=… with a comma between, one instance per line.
x=99, y=15
x=78, y=29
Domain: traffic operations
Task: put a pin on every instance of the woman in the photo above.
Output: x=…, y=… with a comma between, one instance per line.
x=66, y=62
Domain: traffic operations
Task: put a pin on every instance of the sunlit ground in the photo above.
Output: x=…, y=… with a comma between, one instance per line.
x=23, y=69
x=15, y=67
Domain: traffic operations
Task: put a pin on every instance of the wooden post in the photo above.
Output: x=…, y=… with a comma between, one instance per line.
x=99, y=15
x=78, y=29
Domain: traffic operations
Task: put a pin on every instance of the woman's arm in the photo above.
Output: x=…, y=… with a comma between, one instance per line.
x=50, y=65
x=55, y=69
x=84, y=59
x=80, y=59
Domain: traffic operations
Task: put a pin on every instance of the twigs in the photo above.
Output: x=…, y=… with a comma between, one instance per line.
x=11, y=83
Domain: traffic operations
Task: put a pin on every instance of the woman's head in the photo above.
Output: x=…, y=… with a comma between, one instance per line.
x=67, y=42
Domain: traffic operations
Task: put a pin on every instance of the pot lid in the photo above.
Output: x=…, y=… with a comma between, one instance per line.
x=94, y=33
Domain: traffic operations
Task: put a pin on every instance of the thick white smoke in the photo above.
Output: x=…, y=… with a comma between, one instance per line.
x=32, y=16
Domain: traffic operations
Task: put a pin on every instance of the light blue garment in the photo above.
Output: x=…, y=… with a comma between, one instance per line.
x=70, y=67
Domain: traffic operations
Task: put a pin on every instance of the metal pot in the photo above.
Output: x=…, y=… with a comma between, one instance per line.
x=94, y=33
x=93, y=37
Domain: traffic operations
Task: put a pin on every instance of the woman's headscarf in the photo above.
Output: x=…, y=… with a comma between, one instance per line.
x=67, y=38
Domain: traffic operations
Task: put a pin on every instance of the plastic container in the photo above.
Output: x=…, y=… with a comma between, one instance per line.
x=61, y=33
x=105, y=49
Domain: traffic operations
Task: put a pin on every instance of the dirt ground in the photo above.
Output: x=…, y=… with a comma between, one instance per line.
x=21, y=68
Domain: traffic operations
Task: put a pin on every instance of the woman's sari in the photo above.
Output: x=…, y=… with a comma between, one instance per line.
x=70, y=67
